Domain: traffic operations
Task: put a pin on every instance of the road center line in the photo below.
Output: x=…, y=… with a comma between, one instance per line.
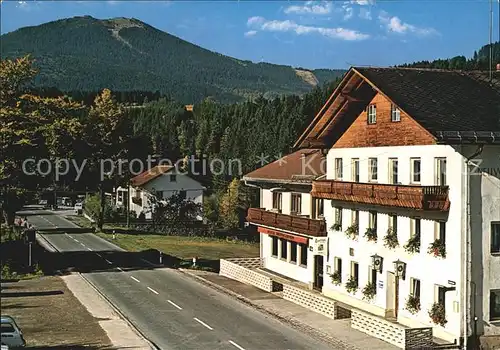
x=203, y=323
x=154, y=291
x=119, y=268
x=174, y=304
x=109, y=262
x=236, y=345
x=82, y=244
x=135, y=279
x=89, y=249
x=76, y=240
x=99, y=255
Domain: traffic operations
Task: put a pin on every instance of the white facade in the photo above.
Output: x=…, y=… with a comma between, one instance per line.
x=302, y=269
x=431, y=272
x=163, y=186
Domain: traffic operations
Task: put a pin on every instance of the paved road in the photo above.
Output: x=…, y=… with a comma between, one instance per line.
x=171, y=309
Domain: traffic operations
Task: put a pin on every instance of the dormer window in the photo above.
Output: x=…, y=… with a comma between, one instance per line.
x=395, y=113
x=372, y=114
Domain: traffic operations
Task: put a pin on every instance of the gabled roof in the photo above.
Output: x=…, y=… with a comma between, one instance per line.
x=150, y=175
x=451, y=105
x=302, y=166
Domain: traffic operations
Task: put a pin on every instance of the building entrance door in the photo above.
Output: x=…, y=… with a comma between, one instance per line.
x=392, y=300
x=318, y=272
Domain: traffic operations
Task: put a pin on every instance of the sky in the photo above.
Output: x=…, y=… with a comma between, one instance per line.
x=309, y=34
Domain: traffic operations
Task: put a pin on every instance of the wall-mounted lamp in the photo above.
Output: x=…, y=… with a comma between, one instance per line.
x=377, y=262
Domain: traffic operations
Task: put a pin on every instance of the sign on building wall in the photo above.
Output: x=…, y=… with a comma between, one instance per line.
x=320, y=246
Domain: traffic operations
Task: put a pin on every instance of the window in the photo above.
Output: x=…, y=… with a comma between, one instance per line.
x=338, y=168
x=355, y=272
x=372, y=219
x=395, y=113
x=338, y=267
x=355, y=170
x=415, y=227
x=393, y=171
x=284, y=248
x=338, y=216
x=441, y=296
x=440, y=172
x=293, y=252
x=372, y=114
x=495, y=237
x=415, y=170
x=303, y=254
x=296, y=203
x=393, y=222
x=277, y=200
x=372, y=164
x=440, y=232
x=274, y=251
x=355, y=217
x=173, y=178
x=183, y=194
x=415, y=288
x=7, y=328
x=495, y=304
x=318, y=207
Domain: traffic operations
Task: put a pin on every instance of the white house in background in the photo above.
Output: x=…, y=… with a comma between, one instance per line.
x=411, y=197
x=288, y=218
x=162, y=181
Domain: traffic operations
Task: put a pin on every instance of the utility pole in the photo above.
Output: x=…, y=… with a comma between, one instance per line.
x=491, y=41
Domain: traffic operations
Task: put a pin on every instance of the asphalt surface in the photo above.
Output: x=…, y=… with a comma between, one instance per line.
x=170, y=309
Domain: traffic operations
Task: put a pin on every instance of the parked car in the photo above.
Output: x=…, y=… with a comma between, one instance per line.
x=79, y=208
x=12, y=336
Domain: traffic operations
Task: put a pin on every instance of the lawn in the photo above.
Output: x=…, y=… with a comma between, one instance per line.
x=185, y=247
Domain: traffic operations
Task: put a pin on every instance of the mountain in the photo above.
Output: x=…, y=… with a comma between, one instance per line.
x=85, y=53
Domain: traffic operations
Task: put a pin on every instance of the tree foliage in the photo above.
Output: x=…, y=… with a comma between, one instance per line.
x=175, y=211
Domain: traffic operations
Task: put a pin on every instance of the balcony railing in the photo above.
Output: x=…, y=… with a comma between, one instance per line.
x=306, y=226
x=402, y=196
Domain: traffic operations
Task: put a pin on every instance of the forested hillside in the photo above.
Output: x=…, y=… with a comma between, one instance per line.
x=478, y=61
x=88, y=54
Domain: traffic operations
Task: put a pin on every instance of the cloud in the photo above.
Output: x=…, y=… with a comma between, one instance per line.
x=363, y=2
x=310, y=7
x=396, y=25
x=260, y=23
x=250, y=33
x=348, y=12
x=364, y=13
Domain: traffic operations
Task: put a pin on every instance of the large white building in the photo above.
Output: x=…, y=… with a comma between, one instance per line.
x=411, y=201
x=161, y=181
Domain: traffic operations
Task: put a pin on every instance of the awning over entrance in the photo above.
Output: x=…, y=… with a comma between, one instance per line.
x=287, y=236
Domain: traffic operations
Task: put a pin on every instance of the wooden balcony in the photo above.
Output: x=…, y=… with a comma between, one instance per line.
x=401, y=196
x=305, y=226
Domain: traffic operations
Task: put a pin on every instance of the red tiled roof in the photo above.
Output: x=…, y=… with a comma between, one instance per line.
x=302, y=166
x=150, y=174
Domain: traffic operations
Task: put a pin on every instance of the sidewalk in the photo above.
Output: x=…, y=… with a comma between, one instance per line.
x=337, y=332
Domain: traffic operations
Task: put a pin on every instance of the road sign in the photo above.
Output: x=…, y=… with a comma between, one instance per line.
x=29, y=236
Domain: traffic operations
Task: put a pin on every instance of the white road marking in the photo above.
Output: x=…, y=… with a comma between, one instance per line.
x=99, y=255
x=135, y=279
x=154, y=291
x=174, y=304
x=76, y=240
x=66, y=234
x=82, y=244
x=119, y=268
x=89, y=249
x=236, y=345
x=203, y=323
x=109, y=262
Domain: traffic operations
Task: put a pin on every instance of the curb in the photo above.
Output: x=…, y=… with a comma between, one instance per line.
x=53, y=249
x=339, y=344
x=152, y=345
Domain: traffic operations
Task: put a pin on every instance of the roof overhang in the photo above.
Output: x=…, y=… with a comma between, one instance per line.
x=468, y=137
x=270, y=183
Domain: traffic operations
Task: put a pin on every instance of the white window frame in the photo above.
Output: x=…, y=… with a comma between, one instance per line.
x=395, y=113
x=413, y=173
x=295, y=197
x=392, y=162
x=338, y=215
x=371, y=113
x=372, y=219
x=440, y=177
x=354, y=217
x=371, y=173
x=355, y=170
x=339, y=169
x=278, y=201
x=414, y=283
